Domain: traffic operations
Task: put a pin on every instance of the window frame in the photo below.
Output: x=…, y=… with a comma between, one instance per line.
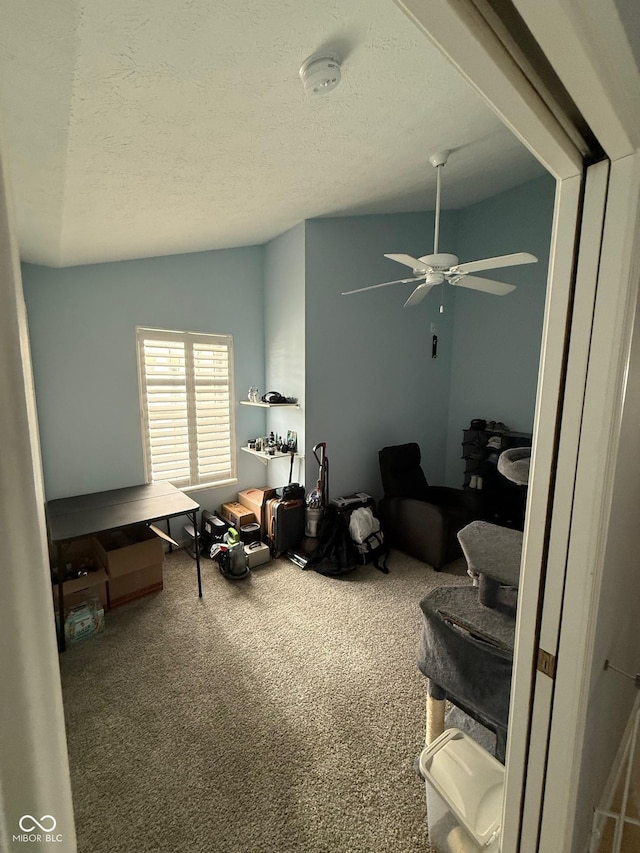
x=189, y=340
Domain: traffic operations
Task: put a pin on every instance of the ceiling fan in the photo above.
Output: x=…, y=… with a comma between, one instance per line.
x=431, y=270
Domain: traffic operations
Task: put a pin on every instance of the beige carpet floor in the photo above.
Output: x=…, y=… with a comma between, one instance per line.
x=279, y=713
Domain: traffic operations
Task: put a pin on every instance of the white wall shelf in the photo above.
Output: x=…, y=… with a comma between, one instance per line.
x=270, y=405
x=268, y=457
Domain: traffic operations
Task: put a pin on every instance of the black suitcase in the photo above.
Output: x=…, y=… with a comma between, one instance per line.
x=285, y=524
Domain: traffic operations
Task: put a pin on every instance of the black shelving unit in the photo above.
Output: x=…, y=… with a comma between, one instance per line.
x=499, y=500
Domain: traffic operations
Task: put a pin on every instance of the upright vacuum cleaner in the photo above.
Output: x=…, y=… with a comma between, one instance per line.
x=317, y=498
x=315, y=504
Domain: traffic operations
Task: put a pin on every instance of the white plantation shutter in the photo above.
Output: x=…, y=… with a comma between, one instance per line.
x=165, y=409
x=186, y=390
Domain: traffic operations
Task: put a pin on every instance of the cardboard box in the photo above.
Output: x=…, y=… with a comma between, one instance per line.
x=79, y=590
x=128, y=550
x=136, y=584
x=132, y=558
x=84, y=621
x=78, y=555
x=255, y=500
x=237, y=514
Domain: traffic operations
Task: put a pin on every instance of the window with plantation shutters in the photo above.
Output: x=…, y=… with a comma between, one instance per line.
x=186, y=392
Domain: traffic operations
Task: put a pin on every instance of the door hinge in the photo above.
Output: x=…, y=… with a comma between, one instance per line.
x=547, y=663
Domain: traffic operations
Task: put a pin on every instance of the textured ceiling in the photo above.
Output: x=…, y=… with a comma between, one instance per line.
x=134, y=129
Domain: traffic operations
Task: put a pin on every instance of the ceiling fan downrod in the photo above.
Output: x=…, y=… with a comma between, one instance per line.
x=438, y=161
x=436, y=232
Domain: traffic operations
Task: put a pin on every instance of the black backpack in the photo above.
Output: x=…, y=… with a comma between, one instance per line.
x=372, y=548
x=336, y=553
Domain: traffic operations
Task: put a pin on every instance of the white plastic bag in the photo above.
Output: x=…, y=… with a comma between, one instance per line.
x=362, y=524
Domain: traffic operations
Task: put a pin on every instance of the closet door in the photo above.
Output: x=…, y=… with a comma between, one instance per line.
x=587, y=339
x=587, y=43
x=542, y=593
x=593, y=615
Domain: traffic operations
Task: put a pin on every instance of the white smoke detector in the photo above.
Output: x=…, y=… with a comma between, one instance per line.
x=320, y=74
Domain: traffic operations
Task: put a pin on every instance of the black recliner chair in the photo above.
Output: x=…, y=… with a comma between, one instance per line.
x=419, y=519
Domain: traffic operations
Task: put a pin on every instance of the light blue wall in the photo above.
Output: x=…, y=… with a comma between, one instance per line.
x=284, y=279
x=496, y=339
x=360, y=365
x=82, y=327
x=370, y=378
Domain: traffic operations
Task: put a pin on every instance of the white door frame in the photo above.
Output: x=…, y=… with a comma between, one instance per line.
x=596, y=485
x=546, y=535
x=592, y=70
x=561, y=521
x=34, y=765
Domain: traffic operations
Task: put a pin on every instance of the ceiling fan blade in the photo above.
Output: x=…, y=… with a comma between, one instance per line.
x=382, y=284
x=494, y=263
x=498, y=288
x=418, y=294
x=410, y=261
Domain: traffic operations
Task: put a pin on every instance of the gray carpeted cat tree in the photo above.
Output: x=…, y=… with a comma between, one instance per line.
x=466, y=647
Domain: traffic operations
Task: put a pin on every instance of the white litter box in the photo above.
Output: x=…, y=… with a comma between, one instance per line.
x=465, y=787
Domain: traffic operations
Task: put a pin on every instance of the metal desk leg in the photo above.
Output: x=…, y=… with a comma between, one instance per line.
x=196, y=545
x=60, y=570
x=169, y=533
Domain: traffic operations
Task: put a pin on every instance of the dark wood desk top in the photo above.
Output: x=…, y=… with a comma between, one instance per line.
x=82, y=515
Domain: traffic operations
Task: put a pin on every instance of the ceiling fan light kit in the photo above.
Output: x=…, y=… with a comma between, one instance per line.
x=439, y=267
x=320, y=74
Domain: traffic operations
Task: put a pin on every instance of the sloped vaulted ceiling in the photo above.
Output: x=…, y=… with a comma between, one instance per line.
x=134, y=129
x=38, y=50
